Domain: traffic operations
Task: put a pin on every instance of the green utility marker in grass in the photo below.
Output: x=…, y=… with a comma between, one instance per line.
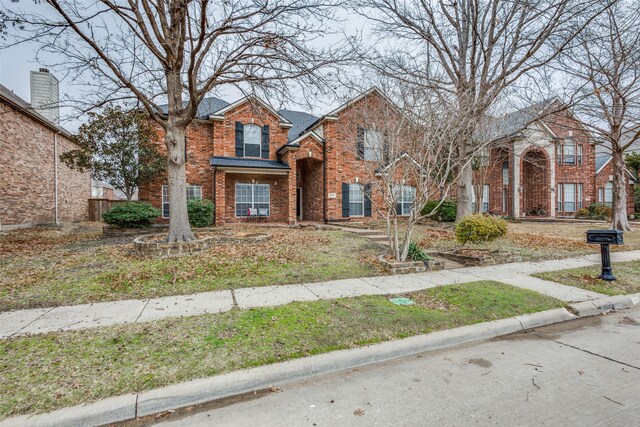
x=401, y=301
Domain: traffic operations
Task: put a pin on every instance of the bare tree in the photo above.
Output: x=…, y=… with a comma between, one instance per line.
x=175, y=52
x=475, y=50
x=410, y=157
x=603, y=65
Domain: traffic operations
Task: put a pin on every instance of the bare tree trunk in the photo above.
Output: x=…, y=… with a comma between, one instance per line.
x=619, y=220
x=179, y=228
x=464, y=193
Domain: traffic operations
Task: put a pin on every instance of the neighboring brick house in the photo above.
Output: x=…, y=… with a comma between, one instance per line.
x=35, y=187
x=285, y=165
x=604, y=182
x=542, y=163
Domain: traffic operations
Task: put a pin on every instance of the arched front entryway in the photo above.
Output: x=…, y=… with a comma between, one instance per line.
x=536, y=194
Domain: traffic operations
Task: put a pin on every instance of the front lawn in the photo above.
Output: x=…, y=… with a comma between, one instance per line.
x=43, y=267
x=46, y=372
x=627, y=273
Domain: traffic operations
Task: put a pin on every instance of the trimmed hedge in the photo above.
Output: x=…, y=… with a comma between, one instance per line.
x=445, y=213
x=131, y=215
x=200, y=213
x=478, y=228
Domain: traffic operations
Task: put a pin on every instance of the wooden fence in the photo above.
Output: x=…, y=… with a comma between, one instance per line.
x=97, y=207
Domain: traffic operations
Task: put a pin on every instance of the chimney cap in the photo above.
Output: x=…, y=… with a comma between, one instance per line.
x=44, y=70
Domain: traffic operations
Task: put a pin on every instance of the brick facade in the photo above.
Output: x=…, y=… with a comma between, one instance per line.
x=542, y=171
x=28, y=162
x=323, y=158
x=605, y=175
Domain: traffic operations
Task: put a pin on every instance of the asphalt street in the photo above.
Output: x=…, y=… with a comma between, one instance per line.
x=584, y=372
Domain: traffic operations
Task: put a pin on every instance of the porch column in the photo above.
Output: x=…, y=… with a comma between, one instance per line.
x=220, y=191
x=290, y=158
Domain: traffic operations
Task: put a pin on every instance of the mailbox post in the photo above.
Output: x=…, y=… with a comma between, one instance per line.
x=604, y=238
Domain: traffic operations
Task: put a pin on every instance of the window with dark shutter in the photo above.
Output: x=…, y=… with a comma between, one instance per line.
x=367, y=200
x=360, y=144
x=239, y=139
x=345, y=199
x=265, y=142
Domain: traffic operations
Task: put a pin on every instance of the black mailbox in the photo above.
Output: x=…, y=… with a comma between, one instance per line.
x=604, y=238
x=609, y=237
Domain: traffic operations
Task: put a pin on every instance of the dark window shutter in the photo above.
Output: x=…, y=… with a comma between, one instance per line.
x=239, y=139
x=399, y=209
x=265, y=142
x=386, y=149
x=345, y=199
x=360, y=143
x=367, y=200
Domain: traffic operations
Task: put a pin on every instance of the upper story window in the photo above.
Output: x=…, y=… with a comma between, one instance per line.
x=252, y=140
x=569, y=153
x=483, y=157
x=370, y=144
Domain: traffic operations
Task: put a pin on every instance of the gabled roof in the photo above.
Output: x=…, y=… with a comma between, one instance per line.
x=513, y=123
x=14, y=100
x=300, y=121
x=284, y=122
x=333, y=114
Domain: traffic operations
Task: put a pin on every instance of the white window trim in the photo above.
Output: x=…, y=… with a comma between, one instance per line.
x=245, y=143
x=165, y=199
x=402, y=191
x=368, y=146
x=253, y=198
x=351, y=202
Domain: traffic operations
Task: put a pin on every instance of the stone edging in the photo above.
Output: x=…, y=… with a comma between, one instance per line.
x=128, y=407
x=159, y=249
x=407, y=267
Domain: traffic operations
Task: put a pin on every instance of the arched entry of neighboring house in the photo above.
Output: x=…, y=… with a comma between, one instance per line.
x=536, y=197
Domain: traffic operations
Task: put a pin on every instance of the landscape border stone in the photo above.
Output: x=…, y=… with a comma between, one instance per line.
x=407, y=267
x=151, y=247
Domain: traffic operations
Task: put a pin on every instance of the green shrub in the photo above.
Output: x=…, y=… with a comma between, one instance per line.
x=416, y=253
x=479, y=228
x=131, y=215
x=600, y=211
x=446, y=212
x=200, y=213
x=582, y=213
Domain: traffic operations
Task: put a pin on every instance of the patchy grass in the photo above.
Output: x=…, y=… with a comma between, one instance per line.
x=46, y=372
x=627, y=273
x=45, y=267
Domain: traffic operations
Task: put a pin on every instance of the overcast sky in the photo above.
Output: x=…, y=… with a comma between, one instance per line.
x=16, y=63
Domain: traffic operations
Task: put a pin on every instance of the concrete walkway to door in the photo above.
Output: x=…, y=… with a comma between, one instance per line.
x=38, y=321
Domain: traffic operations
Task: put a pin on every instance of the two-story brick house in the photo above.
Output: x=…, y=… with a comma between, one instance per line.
x=542, y=163
x=281, y=166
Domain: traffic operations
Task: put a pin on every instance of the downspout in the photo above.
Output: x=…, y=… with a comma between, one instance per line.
x=324, y=182
x=55, y=178
x=215, y=206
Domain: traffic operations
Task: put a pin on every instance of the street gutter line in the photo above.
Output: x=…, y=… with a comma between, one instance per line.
x=596, y=354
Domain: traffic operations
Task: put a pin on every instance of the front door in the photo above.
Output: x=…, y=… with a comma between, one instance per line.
x=299, y=203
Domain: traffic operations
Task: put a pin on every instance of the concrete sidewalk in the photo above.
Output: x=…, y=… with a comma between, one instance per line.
x=37, y=321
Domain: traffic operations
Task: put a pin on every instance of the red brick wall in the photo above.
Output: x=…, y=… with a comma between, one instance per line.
x=492, y=176
x=27, y=178
x=606, y=175
x=535, y=181
x=278, y=186
x=566, y=126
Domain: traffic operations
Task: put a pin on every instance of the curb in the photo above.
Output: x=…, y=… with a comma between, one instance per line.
x=128, y=407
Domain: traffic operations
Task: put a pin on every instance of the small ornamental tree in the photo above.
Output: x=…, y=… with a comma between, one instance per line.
x=115, y=145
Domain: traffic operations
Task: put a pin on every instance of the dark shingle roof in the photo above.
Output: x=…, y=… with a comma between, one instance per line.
x=601, y=160
x=517, y=121
x=300, y=120
x=207, y=107
x=241, y=162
